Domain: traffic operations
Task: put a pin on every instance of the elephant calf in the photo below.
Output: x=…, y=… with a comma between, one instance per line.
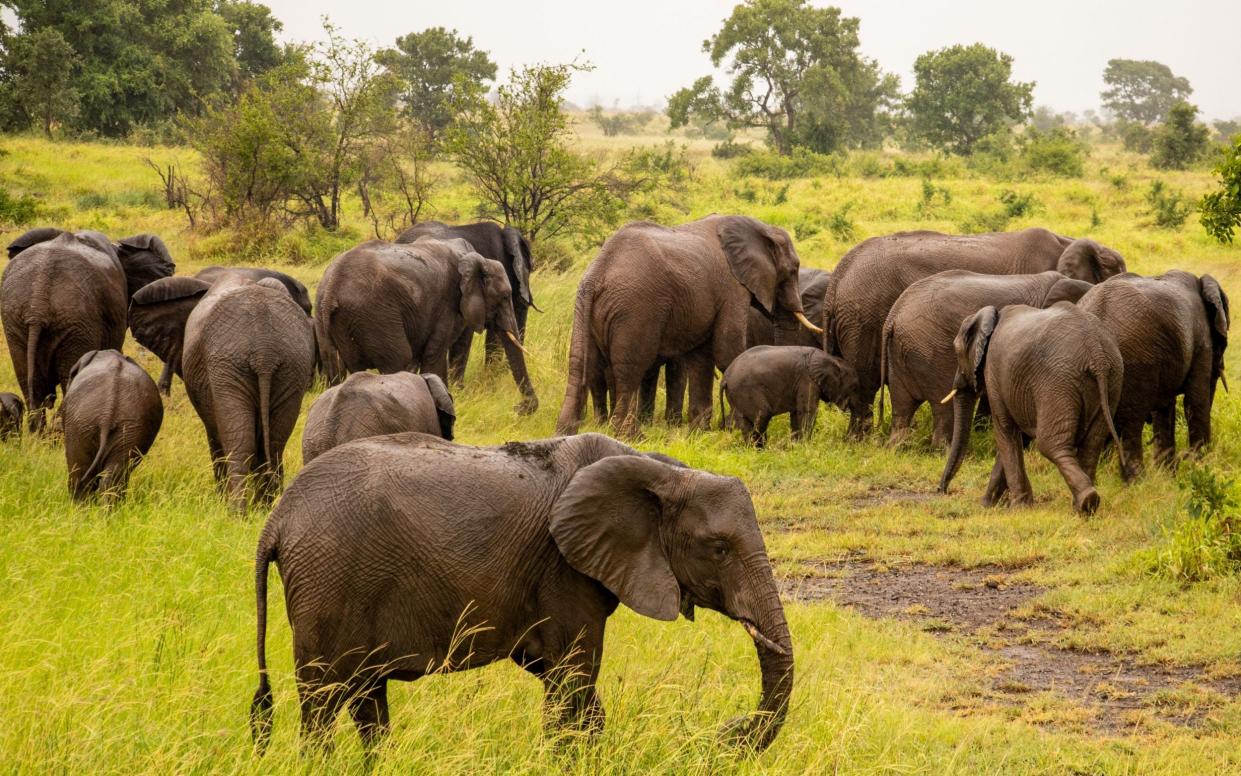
x=391, y=548
x=1053, y=375
x=112, y=414
x=368, y=405
x=12, y=410
x=771, y=380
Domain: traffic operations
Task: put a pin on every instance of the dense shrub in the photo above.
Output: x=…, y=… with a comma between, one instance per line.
x=1057, y=151
x=731, y=149
x=801, y=163
x=1221, y=210
x=1168, y=207
x=1135, y=137
x=1206, y=543
x=1018, y=205
x=18, y=210
x=1180, y=141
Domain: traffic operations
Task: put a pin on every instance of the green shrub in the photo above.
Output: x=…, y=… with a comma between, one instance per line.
x=1018, y=205
x=985, y=221
x=806, y=227
x=1168, y=207
x=840, y=225
x=1180, y=140
x=802, y=163
x=1135, y=136
x=1221, y=209
x=1206, y=544
x=730, y=149
x=930, y=193
x=1057, y=151
x=18, y=210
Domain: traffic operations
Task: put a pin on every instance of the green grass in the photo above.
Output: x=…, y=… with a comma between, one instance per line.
x=126, y=635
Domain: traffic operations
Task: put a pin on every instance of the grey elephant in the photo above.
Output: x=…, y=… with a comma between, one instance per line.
x=367, y=405
x=247, y=352
x=771, y=380
x=63, y=295
x=504, y=244
x=917, y=361
x=12, y=411
x=872, y=276
x=527, y=547
x=401, y=308
x=767, y=330
x=1172, y=331
x=112, y=414
x=1053, y=375
x=656, y=293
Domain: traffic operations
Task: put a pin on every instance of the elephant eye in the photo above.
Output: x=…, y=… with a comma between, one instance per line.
x=720, y=549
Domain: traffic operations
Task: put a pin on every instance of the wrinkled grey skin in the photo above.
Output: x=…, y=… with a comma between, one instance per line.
x=63, y=295
x=528, y=547
x=247, y=357
x=401, y=308
x=368, y=405
x=112, y=414
x=870, y=278
x=506, y=245
x=657, y=293
x=917, y=360
x=12, y=410
x=1053, y=375
x=1172, y=331
x=764, y=330
x=770, y=380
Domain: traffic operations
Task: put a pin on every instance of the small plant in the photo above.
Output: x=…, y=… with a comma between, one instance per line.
x=807, y=227
x=985, y=221
x=930, y=193
x=18, y=210
x=1207, y=543
x=1095, y=221
x=1018, y=205
x=781, y=195
x=731, y=149
x=840, y=225
x=1119, y=181
x=1169, y=207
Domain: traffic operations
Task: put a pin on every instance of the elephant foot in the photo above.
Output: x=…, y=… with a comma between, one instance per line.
x=527, y=406
x=1087, y=502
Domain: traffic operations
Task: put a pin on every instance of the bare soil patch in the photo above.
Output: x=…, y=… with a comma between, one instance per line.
x=986, y=606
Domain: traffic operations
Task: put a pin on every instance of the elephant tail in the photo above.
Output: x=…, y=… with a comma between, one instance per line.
x=265, y=414
x=723, y=409
x=261, y=706
x=1106, y=408
x=101, y=455
x=883, y=361
x=32, y=349
x=579, y=355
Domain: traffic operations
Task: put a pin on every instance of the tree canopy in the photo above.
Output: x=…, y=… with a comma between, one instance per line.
x=1142, y=90
x=38, y=84
x=432, y=66
x=1180, y=140
x=1220, y=211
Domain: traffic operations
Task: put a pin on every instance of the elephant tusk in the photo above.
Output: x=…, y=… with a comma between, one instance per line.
x=804, y=321
x=517, y=342
x=1223, y=379
x=948, y=398
x=762, y=640
x=535, y=306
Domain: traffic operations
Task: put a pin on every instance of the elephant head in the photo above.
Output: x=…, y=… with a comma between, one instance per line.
x=33, y=237
x=445, y=410
x=1066, y=290
x=145, y=259
x=665, y=539
x=762, y=259
x=1216, y=302
x=838, y=383
x=518, y=250
x=159, y=311
x=1089, y=261
x=486, y=296
x=971, y=343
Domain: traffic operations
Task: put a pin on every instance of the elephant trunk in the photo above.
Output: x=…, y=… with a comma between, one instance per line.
x=517, y=364
x=962, y=425
x=774, y=646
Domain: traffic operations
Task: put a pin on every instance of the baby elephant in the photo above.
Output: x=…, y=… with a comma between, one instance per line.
x=12, y=410
x=1053, y=375
x=112, y=413
x=771, y=380
x=368, y=405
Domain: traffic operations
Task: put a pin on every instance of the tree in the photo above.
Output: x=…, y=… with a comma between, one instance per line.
x=1227, y=129
x=964, y=93
x=432, y=66
x=253, y=29
x=1142, y=90
x=1180, y=140
x=1220, y=211
x=796, y=72
x=39, y=78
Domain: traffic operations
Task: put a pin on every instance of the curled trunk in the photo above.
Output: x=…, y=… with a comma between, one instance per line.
x=775, y=660
x=962, y=425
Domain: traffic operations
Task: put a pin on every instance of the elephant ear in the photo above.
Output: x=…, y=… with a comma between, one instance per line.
x=86, y=358
x=33, y=237
x=1086, y=260
x=473, y=297
x=971, y=344
x=273, y=284
x=1216, y=302
x=145, y=259
x=158, y=313
x=751, y=257
x=98, y=241
x=835, y=378
x=518, y=251
x=444, y=407
x=1066, y=290
x=607, y=523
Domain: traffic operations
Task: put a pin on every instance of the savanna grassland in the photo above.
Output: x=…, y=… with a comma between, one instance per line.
x=127, y=634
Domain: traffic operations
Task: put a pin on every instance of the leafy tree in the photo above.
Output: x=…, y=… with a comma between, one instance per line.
x=1227, y=129
x=619, y=122
x=1142, y=90
x=38, y=72
x=964, y=93
x=253, y=30
x=432, y=67
x=1220, y=211
x=1180, y=140
x=796, y=72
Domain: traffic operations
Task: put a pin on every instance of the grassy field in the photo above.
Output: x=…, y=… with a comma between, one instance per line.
x=126, y=634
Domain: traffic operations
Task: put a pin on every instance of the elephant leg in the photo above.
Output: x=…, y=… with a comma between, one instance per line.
x=1199, y=396
x=369, y=709
x=493, y=348
x=1130, y=433
x=743, y=424
x=165, y=379
x=701, y=373
x=458, y=358
x=320, y=703
x=674, y=386
x=997, y=486
x=238, y=426
x=941, y=431
x=1064, y=456
x=1010, y=448
x=627, y=381
x=1164, y=421
x=597, y=384
x=903, y=409
x=646, y=394
x=759, y=433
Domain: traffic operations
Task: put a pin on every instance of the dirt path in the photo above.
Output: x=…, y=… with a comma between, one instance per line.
x=1115, y=694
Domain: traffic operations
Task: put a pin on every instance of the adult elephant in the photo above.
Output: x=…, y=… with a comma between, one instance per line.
x=401, y=308
x=1172, y=331
x=210, y=275
x=768, y=330
x=506, y=245
x=392, y=547
x=656, y=293
x=917, y=360
x=247, y=354
x=871, y=276
x=64, y=294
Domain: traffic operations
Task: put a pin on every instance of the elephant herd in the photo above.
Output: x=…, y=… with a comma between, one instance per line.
x=404, y=554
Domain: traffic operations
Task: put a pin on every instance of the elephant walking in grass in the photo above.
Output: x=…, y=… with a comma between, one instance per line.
x=871, y=277
x=112, y=413
x=656, y=293
x=1172, y=331
x=1053, y=375
x=527, y=548
x=12, y=413
x=247, y=355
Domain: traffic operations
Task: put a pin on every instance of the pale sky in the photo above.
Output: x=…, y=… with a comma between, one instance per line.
x=644, y=50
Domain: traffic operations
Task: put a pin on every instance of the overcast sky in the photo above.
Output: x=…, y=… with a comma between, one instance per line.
x=644, y=50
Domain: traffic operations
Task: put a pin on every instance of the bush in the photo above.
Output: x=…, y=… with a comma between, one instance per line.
x=801, y=163
x=19, y=210
x=1169, y=207
x=1207, y=543
x=1135, y=137
x=931, y=192
x=730, y=149
x=1180, y=140
x=1018, y=205
x=1057, y=151
x=985, y=221
x=840, y=225
x=1221, y=210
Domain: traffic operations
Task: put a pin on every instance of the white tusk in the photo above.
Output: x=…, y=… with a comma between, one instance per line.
x=517, y=342
x=762, y=640
x=948, y=398
x=801, y=317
